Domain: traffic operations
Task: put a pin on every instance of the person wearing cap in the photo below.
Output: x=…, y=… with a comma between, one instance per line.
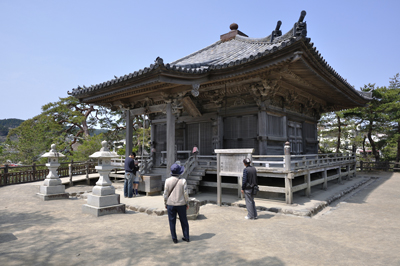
x=176, y=200
x=248, y=182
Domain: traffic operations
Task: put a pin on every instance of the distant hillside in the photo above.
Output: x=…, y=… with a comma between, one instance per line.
x=11, y=123
x=6, y=125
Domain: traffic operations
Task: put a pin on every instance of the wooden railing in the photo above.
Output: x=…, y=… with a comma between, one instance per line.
x=299, y=162
x=29, y=173
x=378, y=166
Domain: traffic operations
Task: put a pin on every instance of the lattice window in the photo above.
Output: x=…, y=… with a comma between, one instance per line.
x=275, y=125
x=295, y=137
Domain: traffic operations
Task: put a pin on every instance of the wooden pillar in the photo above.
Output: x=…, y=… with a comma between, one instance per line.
x=288, y=176
x=262, y=131
x=170, y=139
x=128, y=133
x=219, y=188
x=325, y=177
x=220, y=132
x=308, y=181
x=288, y=189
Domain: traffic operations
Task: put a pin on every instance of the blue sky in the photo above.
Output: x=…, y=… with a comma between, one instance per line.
x=49, y=47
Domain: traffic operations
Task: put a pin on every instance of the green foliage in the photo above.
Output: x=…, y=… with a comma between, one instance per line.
x=91, y=145
x=32, y=138
x=374, y=127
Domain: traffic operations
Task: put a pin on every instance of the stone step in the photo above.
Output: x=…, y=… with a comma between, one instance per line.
x=193, y=187
x=198, y=172
x=193, y=182
x=195, y=177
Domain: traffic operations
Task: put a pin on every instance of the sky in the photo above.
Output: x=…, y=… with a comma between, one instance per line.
x=47, y=48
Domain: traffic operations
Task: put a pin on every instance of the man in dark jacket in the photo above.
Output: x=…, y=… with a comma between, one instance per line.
x=248, y=182
x=130, y=172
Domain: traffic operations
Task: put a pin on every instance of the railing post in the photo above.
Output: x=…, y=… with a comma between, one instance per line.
x=361, y=165
x=87, y=172
x=70, y=169
x=6, y=181
x=33, y=172
x=287, y=157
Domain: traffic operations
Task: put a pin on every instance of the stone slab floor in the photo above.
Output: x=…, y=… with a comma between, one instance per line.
x=361, y=229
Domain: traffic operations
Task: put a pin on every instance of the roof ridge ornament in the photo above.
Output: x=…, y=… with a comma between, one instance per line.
x=300, y=27
x=277, y=32
x=232, y=34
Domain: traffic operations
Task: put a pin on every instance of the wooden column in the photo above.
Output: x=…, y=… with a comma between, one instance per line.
x=170, y=139
x=308, y=181
x=128, y=133
x=219, y=188
x=325, y=177
x=220, y=132
x=289, y=175
x=262, y=131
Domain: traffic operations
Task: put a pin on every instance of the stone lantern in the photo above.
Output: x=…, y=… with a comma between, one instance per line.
x=103, y=199
x=52, y=187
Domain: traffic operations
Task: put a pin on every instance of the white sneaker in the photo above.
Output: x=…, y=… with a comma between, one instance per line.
x=247, y=217
x=137, y=195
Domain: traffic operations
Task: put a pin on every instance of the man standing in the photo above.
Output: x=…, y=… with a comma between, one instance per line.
x=176, y=200
x=130, y=173
x=249, y=180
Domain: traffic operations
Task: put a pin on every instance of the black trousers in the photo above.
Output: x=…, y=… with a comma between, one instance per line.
x=181, y=210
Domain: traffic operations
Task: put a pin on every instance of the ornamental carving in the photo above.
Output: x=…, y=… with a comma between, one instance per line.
x=239, y=101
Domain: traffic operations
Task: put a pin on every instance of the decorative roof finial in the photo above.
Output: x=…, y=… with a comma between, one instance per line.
x=234, y=26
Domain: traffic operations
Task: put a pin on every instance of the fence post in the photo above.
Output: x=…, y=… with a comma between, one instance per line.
x=33, y=172
x=361, y=165
x=6, y=181
x=87, y=172
x=70, y=169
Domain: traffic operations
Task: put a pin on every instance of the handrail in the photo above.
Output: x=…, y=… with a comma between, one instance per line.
x=189, y=165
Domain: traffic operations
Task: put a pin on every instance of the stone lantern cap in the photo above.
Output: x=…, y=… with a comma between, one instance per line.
x=104, y=152
x=53, y=153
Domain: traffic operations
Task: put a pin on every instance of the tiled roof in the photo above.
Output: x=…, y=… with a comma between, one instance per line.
x=224, y=54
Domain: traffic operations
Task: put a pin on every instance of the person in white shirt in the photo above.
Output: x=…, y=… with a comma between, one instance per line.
x=176, y=200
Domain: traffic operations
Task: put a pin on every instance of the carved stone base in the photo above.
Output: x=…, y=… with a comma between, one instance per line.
x=46, y=197
x=100, y=211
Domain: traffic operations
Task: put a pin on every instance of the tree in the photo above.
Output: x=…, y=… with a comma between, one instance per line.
x=370, y=118
x=390, y=107
x=91, y=145
x=32, y=138
x=337, y=133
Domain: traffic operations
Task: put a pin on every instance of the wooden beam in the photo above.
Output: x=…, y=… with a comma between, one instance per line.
x=190, y=107
x=149, y=110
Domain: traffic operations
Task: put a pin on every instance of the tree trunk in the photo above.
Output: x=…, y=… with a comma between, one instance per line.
x=339, y=134
x=398, y=144
x=373, y=146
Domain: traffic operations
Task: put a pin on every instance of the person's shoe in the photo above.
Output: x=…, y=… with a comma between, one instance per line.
x=184, y=239
x=255, y=218
x=248, y=218
x=175, y=241
x=137, y=195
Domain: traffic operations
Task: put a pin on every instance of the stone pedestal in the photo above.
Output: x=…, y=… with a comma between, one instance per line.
x=52, y=188
x=151, y=184
x=194, y=209
x=103, y=199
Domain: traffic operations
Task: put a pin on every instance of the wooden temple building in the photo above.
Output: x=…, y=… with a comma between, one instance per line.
x=239, y=93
